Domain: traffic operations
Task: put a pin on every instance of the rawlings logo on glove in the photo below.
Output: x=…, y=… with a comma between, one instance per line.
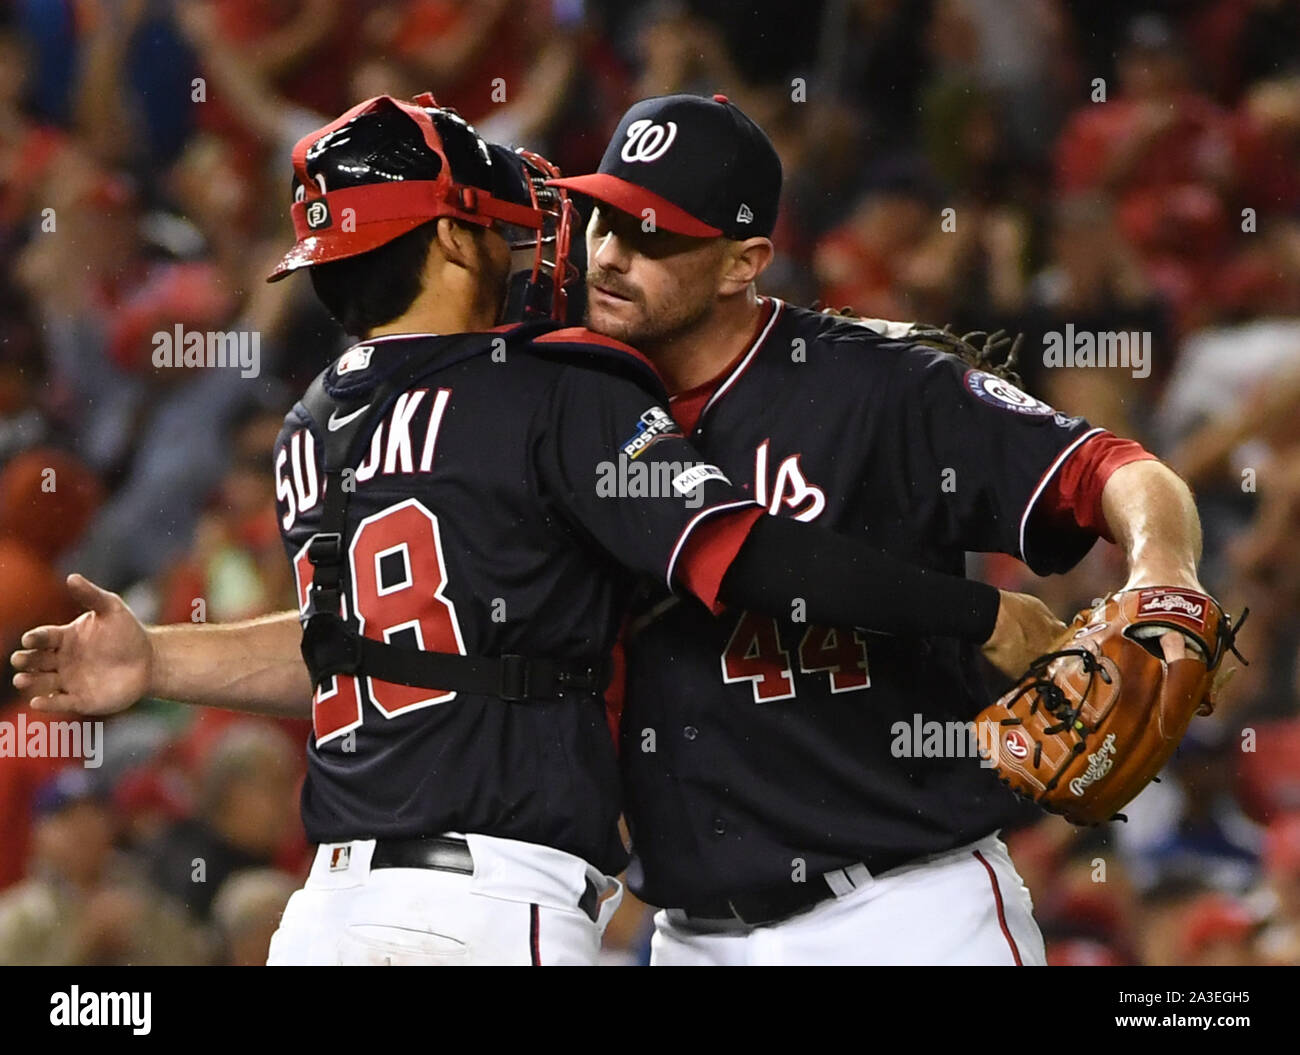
x=1091, y=723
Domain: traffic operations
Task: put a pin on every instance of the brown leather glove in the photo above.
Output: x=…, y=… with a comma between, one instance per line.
x=1092, y=722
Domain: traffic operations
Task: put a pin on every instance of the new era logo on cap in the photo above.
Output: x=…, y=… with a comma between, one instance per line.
x=699, y=165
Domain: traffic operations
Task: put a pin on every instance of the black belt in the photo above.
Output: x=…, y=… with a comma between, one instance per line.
x=444, y=854
x=773, y=904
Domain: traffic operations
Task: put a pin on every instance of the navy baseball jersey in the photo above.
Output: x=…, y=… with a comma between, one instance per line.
x=756, y=748
x=495, y=512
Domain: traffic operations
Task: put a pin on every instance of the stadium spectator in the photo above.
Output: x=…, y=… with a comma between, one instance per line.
x=245, y=812
x=246, y=912
x=85, y=904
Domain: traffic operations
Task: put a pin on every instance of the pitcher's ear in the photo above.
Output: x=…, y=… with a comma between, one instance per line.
x=746, y=261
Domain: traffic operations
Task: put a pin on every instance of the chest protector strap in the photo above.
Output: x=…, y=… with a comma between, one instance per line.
x=331, y=645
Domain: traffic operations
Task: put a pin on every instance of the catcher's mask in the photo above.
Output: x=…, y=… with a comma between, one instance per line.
x=541, y=272
x=387, y=166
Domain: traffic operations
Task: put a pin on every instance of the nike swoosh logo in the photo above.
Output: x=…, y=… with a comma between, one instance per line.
x=335, y=422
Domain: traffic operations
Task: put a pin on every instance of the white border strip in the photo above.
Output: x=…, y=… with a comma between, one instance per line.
x=690, y=526
x=1042, y=484
x=740, y=368
x=389, y=337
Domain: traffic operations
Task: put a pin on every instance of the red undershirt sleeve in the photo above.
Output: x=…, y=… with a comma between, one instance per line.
x=1073, y=495
x=709, y=551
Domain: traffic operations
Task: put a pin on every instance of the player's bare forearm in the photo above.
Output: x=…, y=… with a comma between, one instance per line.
x=253, y=666
x=1152, y=516
x=104, y=661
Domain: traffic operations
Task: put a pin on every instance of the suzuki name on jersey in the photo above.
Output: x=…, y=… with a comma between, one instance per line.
x=393, y=451
x=654, y=424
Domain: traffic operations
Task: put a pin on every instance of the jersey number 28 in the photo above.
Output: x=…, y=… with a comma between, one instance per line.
x=398, y=578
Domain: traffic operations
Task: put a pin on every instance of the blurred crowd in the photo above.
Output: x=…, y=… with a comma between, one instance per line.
x=1128, y=167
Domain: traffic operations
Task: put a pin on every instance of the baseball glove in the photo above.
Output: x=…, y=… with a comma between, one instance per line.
x=1091, y=723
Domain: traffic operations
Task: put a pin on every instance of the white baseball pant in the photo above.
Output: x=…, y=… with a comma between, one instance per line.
x=520, y=907
x=965, y=907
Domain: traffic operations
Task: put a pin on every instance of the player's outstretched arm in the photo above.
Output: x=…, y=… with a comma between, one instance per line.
x=1152, y=515
x=105, y=660
x=841, y=581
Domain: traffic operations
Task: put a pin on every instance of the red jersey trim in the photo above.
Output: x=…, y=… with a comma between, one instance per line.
x=686, y=408
x=1074, y=495
x=743, y=365
x=1046, y=479
x=581, y=335
x=706, y=557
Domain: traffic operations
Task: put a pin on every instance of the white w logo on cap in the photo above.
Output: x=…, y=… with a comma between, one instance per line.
x=647, y=141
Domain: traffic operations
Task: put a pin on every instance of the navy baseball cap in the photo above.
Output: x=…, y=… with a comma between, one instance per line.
x=704, y=168
x=66, y=788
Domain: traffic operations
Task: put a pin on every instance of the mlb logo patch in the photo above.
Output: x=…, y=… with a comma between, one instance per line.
x=340, y=858
x=355, y=359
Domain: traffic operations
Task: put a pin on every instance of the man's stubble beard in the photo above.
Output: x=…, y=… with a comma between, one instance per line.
x=646, y=334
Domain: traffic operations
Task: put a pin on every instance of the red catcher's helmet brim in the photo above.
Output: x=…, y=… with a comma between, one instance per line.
x=326, y=246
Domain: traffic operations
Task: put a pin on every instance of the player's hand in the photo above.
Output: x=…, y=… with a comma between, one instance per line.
x=1026, y=628
x=98, y=664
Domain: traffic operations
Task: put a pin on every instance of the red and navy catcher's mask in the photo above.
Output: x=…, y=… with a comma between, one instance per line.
x=387, y=166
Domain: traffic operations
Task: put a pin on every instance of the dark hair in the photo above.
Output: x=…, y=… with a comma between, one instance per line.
x=375, y=287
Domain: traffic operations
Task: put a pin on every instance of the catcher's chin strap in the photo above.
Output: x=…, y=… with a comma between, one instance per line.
x=331, y=646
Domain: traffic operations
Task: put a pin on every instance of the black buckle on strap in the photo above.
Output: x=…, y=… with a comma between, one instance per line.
x=329, y=646
x=542, y=679
x=325, y=547
x=514, y=678
x=325, y=551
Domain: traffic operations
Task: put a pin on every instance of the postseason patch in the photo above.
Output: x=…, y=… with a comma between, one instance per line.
x=655, y=424
x=997, y=392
